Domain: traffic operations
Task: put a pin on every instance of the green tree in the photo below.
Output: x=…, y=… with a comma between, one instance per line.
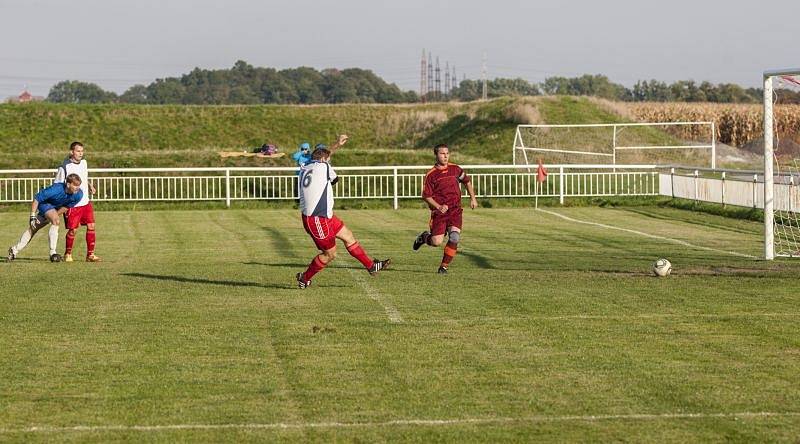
x=163, y=91
x=73, y=91
x=135, y=94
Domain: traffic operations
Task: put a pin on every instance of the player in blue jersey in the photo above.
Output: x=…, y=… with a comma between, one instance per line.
x=48, y=204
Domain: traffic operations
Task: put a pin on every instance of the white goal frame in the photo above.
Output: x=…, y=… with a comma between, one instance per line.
x=613, y=148
x=769, y=174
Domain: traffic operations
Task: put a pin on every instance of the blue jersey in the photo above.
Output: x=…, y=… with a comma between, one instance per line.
x=55, y=196
x=301, y=157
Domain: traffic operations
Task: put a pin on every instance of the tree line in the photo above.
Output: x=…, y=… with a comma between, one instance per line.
x=642, y=91
x=246, y=84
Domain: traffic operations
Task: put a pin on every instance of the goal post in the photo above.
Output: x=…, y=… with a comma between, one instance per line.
x=782, y=230
x=663, y=143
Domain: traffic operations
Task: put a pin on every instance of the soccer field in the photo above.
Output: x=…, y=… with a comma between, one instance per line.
x=548, y=327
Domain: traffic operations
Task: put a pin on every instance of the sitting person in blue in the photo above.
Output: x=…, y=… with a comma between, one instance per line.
x=303, y=155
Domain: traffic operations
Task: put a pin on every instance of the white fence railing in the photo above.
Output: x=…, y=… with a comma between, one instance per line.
x=382, y=182
x=730, y=187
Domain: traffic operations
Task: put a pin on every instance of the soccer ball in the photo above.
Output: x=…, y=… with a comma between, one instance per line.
x=662, y=267
x=55, y=257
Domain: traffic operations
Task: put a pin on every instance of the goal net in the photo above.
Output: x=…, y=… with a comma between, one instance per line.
x=781, y=163
x=669, y=143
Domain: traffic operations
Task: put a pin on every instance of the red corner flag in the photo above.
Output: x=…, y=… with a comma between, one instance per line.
x=541, y=172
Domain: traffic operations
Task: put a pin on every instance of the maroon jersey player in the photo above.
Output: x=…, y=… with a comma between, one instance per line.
x=442, y=193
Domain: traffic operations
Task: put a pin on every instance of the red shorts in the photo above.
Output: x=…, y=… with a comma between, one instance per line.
x=322, y=230
x=77, y=216
x=439, y=222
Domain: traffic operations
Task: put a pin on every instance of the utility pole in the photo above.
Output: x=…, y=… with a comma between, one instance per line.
x=429, y=83
x=484, y=96
x=423, y=78
x=447, y=79
x=454, y=79
x=438, y=80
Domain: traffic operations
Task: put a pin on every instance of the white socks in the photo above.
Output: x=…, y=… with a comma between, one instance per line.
x=53, y=235
x=23, y=241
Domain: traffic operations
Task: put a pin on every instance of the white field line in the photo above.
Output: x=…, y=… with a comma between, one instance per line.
x=391, y=311
x=652, y=236
x=403, y=422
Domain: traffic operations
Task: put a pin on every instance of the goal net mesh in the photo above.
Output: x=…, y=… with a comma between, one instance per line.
x=676, y=143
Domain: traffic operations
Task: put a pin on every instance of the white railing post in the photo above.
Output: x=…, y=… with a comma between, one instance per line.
x=394, y=173
x=672, y=181
x=614, y=149
x=723, y=189
x=561, y=185
x=755, y=187
x=227, y=187
x=696, y=184
x=713, y=147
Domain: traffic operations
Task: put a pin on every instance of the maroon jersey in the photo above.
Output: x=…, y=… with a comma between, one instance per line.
x=444, y=185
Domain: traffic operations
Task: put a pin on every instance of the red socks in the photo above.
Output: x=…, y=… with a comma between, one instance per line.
x=70, y=242
x=450, y=251
x=357, y=252
x=90, y=239
x=314, y=267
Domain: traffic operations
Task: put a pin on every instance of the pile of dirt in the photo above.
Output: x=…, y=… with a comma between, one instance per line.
x=783, y=147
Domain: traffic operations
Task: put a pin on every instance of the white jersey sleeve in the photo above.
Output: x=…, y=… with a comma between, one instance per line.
x=316, y=193
x=82, y=170
x=61, y=172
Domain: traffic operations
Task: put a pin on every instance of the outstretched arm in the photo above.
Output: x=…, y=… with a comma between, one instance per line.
x=339, y=142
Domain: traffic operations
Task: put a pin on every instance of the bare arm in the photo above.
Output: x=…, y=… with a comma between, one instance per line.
x=34, y=207
x=339, y=142
x=435, y=205
x=473, y=202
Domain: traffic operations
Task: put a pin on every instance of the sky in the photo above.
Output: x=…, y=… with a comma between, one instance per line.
x=117, y=44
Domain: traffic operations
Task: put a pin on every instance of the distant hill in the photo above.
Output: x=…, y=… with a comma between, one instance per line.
x=36, y=135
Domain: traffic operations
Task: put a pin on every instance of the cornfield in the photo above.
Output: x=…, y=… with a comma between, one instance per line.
x=736, y=124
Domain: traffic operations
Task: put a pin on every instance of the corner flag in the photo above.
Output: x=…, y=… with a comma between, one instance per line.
x=541, y=172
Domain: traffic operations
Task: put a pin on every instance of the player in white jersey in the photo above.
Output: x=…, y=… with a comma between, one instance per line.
x=316, y=212
x=83, y=212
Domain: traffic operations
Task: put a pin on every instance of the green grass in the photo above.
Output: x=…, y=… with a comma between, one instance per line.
x=541, y=325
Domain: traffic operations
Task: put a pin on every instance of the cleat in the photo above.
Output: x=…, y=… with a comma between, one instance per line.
x=442, y=270
x=301, y=281
x=420, y=240
x=11, y=254
x=92, y=258
x=55, y=257
x=68, y=257
x=378, y=266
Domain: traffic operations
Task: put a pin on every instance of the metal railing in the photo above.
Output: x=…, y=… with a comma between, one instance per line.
x=744, y=188
x=375, y=182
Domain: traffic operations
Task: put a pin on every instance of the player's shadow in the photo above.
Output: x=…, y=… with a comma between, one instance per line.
x=478, y=260
x=304, y=265
x=187, y=280
x=280, y=264
x=26, y=259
